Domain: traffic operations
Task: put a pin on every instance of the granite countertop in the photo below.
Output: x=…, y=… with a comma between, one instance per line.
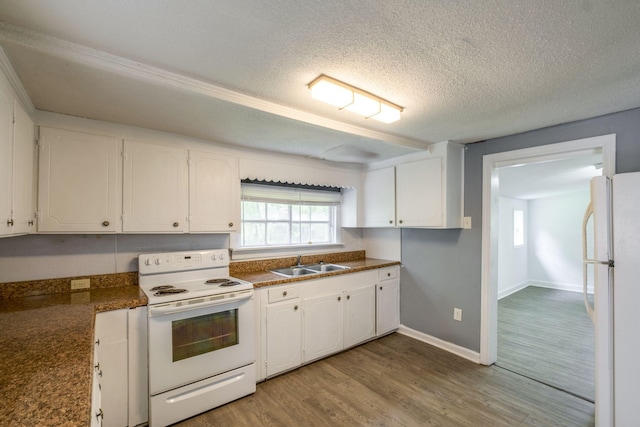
x=264, y=277
x=46, y=354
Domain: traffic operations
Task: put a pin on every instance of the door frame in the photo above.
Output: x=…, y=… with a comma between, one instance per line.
x=490, y=187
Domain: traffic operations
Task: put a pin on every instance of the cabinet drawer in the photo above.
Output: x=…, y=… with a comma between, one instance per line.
x=388, y=273
x=284, y=293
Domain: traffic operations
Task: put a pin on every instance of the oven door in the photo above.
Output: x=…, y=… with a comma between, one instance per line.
x=191, y=340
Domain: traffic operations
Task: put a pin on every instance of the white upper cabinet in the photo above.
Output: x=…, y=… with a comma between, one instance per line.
x=78, y=185
x=420, y=191
x=155, y=188
x=214, y=193
x=6, y=159
x=24, y=182
x=380, y=197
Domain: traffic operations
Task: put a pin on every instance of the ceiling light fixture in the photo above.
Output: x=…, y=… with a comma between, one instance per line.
x=347, y=97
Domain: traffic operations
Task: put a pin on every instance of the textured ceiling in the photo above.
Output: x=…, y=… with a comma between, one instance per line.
x=464, y=70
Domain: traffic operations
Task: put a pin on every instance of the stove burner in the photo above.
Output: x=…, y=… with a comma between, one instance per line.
x=213, y=281
x=161, y=287
x=169, y=291
x=230, y=283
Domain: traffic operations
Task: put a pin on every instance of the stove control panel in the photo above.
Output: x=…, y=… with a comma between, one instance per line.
x=167, y=262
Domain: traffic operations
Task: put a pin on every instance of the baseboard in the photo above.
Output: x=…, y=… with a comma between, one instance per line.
x=512, y=290
x=559, y=286
x=444, y=345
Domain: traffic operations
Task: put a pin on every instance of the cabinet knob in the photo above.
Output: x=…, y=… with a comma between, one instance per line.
x=400, y=221
x=339, y=298
x=348, y=296
x=10, y=222
x=30, y=222
x=388, y=274
x=380, y=287
x=390, y=221
x=175, y=224
x=230, y=224
x=105, y=223
x=99, y=414
x=284, y=294
x=295, y=308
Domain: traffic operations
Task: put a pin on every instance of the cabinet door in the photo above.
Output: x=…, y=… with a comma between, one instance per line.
x=323, y=326
x=155, y=188
x=380, y=198
x=138, y=366
x=419, y=193
x=24, y=155
x=6, y=159
x=284, y=328
x=111, y=335
x=214, y=193
x=360, y=315
x=78, y=186
x=387, y=306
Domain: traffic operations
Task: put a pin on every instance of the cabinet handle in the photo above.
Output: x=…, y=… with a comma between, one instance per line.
x=97, y=367
x=10, y=222
x=99, y=414
x=98, y=341
x=284, y=294
x=339, y=298
x=30, y=222
x=230, y=224
x=400, y=221
x=105, y=223
x=295, y=308
x=175, y=224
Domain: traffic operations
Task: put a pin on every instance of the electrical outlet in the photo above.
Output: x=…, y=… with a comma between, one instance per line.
x=457, y=314
x=80, y=284
x=466, y=223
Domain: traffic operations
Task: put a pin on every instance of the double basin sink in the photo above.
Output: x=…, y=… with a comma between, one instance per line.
x=304, y=270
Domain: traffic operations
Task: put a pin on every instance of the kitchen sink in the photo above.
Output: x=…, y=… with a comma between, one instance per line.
x=325, y=268
x=294, y=271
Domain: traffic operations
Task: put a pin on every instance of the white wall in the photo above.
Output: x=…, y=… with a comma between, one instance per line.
x=36, y=257
x=555, y=240
x=382, y=243
x=513, y=271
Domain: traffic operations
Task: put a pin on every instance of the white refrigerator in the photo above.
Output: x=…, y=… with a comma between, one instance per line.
x=612, y=258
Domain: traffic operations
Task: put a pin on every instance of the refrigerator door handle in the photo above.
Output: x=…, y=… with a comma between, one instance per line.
x=586, y=261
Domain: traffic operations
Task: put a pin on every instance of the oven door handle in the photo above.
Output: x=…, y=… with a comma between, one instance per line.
x=205, y=302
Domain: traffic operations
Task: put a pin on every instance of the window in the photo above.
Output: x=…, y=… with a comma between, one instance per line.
x=273, y=215
x=518, y=228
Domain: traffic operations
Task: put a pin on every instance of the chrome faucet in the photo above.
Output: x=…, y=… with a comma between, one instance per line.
x=299, y=261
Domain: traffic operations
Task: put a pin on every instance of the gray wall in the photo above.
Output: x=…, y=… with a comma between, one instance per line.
x=443, y=267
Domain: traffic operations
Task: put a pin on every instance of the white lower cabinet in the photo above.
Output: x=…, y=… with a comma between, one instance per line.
x=119, y=389
x=323, y=326
x=282, y=316
x=359, y=314
x=388, y=300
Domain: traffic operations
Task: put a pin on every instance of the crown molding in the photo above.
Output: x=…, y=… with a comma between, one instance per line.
x=14, y=81
x=135, y=70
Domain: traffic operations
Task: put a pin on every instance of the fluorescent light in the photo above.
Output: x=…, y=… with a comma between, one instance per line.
x=347, y=97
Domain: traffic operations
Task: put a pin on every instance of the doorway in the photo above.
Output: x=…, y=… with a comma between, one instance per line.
x=544, y=331
x=605, y=145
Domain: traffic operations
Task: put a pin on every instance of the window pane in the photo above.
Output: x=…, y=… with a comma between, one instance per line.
x=253, y=234
x=295, y=233
x=305, y=233
x=253, y=211
x=277, y=212
x=518, y=227
x=320, y=233
x=277, y=233
x=319, y=213
x=305, y=213
x=295, y=213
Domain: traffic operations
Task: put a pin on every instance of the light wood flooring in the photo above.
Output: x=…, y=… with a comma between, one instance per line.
x=547, y=335
x=399, y=381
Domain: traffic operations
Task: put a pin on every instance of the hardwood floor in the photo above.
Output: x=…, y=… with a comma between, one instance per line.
x=547, y=335
x=399, y=381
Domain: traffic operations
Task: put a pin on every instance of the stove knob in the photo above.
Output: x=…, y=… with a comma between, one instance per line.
x=158, y=261
x=221, y=257
x=147, y=261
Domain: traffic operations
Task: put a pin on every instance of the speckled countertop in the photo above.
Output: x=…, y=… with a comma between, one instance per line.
x=257, y=272
x=46, y=353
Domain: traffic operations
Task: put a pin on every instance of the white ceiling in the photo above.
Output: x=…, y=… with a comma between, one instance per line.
x=236, y=72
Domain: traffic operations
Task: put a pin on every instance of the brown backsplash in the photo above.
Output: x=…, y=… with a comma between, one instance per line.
x=237, y=267
x=63, y=285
